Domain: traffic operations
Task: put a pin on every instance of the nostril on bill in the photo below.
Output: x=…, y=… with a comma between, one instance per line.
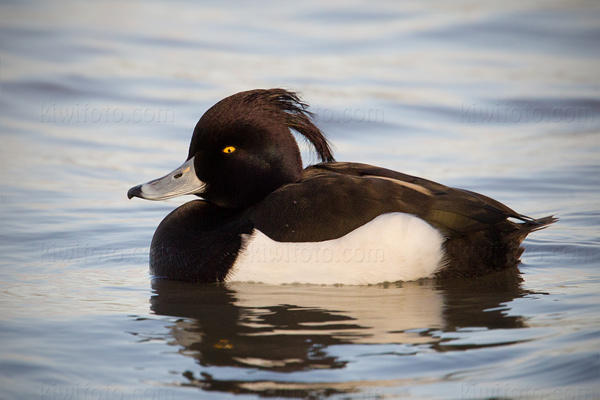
x=177, y=176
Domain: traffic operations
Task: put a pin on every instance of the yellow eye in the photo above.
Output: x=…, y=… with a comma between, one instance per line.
x=229, y=149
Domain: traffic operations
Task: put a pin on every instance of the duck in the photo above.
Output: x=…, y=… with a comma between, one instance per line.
x=261, y=217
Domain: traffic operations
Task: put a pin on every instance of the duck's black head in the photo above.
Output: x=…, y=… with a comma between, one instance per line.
x=242, y=150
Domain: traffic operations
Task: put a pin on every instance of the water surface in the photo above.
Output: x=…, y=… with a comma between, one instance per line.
x=500, y=98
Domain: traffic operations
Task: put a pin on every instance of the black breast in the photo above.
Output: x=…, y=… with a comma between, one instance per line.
x=197, y=242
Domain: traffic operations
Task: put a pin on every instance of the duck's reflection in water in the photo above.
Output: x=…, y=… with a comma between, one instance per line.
x=290, y=328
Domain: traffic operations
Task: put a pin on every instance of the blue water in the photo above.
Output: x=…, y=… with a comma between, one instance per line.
x=498, y=97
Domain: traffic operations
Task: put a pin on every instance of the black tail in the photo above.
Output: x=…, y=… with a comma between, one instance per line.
x=487, y=251
x=532, y=225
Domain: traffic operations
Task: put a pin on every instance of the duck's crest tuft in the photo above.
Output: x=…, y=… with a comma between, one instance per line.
x=296, y=116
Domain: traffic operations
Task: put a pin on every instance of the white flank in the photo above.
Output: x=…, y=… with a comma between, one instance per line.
x=393, y=247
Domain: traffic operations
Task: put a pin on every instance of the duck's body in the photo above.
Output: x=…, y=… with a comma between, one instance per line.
x=265, y=219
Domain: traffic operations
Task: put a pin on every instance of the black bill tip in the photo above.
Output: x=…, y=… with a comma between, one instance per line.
x=135, y=191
